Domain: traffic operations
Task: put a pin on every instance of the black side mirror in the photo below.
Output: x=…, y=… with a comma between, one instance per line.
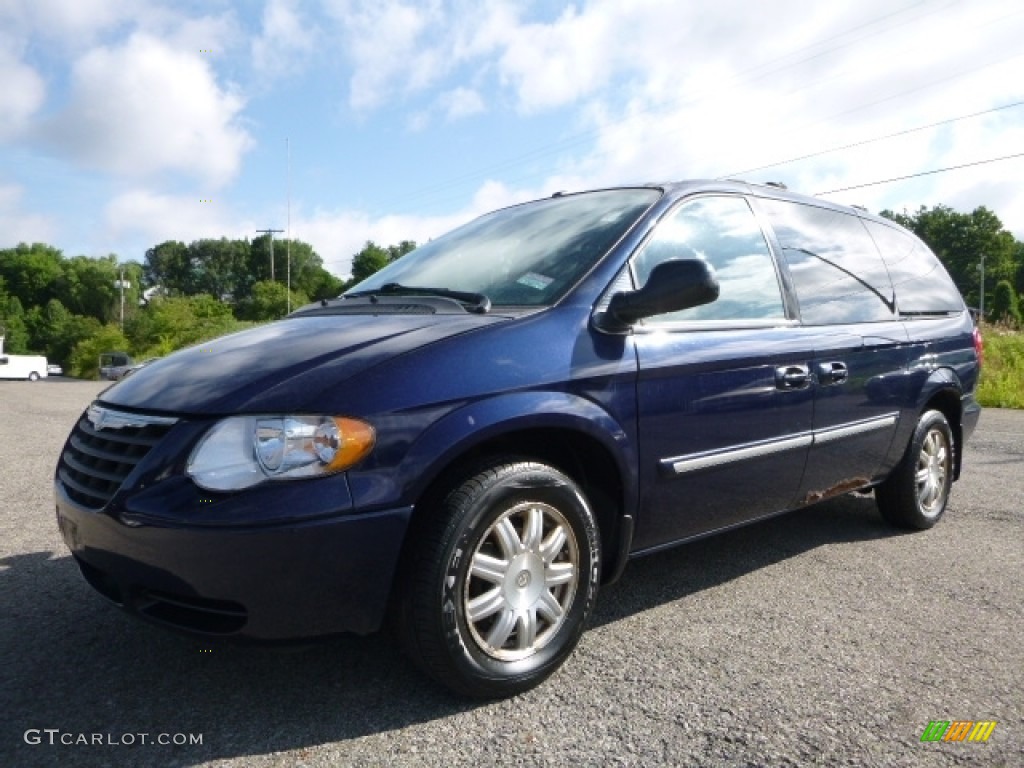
x=672, y=286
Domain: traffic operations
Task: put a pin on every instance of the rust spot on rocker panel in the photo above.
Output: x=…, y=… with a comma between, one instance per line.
x=845, y=486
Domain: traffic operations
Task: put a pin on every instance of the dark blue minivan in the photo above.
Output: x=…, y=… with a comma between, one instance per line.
x=472, y=440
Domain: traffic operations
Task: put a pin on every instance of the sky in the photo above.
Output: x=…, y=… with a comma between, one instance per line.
x=124, y=124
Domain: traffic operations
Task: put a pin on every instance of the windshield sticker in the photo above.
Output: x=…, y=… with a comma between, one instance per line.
x=534, y=280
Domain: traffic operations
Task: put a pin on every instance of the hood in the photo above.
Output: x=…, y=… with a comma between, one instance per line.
x=280, y=367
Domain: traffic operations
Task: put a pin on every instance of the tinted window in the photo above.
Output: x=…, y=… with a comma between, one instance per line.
x=837, y=271
x=922, y=285
x=723, y=232
x=530, y=254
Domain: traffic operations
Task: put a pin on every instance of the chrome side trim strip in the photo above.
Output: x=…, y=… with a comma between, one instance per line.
x=679, y=465
x=855, y=428
x=682, y=464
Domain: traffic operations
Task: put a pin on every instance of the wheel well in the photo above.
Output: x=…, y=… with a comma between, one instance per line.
x=585, y=460
x=948, y=403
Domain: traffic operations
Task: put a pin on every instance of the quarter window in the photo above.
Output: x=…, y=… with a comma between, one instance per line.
x=837, y=271
x=923, y=287
x=723, y=232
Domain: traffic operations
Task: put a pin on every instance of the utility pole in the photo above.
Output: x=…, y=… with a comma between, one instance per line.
x=288, y=237
x=981, y=309
x=271, y=233
x=122, y=285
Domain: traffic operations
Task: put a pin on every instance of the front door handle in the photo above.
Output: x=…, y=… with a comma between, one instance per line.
x=792, y=377
x=832, y=373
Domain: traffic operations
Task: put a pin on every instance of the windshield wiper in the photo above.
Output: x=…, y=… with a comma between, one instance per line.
x=479, y=302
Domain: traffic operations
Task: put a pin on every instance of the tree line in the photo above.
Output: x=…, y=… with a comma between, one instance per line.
x=180, y=294
x=70, y=309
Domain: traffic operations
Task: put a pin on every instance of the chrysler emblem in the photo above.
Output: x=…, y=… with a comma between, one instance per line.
x=104, y=418
x=97, y=417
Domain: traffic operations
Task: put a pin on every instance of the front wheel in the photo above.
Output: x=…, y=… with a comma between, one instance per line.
x=501, y=580
x=916, y=493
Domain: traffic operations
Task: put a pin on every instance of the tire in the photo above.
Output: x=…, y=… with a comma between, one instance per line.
x=915, y=495
x=33, y=376
x=499, y=580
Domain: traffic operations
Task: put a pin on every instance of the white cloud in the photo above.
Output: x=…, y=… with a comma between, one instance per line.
x=159, y=217
x=144, y=107
x=461, y=102
x=74, y=23
x=384, y=41
x=22, y=94
x=286, y=39
x=18, y=225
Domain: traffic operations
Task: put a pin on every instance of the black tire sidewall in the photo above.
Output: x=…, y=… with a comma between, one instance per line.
x=928, y=422
x=528, y=483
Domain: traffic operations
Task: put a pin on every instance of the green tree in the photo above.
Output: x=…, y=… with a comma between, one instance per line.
x=1005, y=308
x=31, y=272
x=13, y=325
x=269, y=301
x=373, y=258
x=395, y=252
x=55, y=331
x=220, y=268
x=321, y=284
x=169, y=265
x=88, y=287
x=307, y=273
x=170, y=323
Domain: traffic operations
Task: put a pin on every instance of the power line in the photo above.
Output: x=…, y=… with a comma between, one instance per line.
x=922, y=173
x=872, y=141
x=749, y=75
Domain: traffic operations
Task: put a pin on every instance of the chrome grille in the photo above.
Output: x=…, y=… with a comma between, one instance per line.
x=104, y=447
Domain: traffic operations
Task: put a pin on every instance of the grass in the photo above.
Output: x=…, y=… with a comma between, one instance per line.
x=1002, y=373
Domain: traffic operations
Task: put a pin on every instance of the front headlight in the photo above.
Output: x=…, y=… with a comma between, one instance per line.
x=241, y=451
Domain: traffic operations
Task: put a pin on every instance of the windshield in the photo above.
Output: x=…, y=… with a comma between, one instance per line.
x=528, y=255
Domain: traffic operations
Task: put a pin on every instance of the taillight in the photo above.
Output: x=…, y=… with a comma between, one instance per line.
x=979, y=346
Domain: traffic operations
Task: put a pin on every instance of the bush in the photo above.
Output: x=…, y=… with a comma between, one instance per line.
x=1005, y=308
x=1002, y=373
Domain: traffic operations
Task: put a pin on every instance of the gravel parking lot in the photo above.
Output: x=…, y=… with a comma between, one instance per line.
x=818, y=638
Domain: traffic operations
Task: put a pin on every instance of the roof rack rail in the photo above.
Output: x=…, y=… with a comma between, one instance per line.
x=776, y=184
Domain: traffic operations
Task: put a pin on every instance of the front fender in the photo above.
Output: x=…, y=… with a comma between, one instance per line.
x=461, y=430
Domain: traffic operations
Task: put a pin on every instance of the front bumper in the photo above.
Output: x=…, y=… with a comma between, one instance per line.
x=271, y=582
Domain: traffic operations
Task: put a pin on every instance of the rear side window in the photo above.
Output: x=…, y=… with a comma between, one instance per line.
x=723, y=232
x=923, y=287
x=837, y=271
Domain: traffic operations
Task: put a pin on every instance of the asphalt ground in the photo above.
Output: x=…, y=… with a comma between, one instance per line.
x=817, y=638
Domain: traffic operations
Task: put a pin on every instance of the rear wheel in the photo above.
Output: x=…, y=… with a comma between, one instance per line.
x=33, y=376
x=501, y=581
x=915, y=495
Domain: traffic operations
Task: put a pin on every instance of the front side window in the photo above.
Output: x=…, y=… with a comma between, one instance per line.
x=528, y=255
x=723, y=232
x=837, y=271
